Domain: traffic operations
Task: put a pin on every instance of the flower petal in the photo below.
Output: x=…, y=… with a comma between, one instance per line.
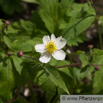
x=59, y=55
x=60, y=42
x=46, y=39
x=40, y=48
x=45, y=57
x=53, y=37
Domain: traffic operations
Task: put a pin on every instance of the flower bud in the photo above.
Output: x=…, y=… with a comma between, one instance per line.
x=96, y=68
x=9, y=54
x=90, y=46
x=7, y=22
x=20, y=54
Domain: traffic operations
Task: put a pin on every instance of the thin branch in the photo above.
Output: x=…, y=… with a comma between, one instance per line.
x=30, y=57
x=69, y=65
x=77, y=64
x=99, y=34
x=90, y=55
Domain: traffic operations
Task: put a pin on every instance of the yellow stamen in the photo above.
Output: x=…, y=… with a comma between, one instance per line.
x=51, y=47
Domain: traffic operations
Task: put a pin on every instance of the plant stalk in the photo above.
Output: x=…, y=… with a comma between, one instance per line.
x=77, y=64
x=99, y=34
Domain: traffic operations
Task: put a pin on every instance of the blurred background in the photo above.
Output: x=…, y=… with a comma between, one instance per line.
x=14, y=10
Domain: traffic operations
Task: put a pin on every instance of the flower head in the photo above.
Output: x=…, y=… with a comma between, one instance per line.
x=51, y=47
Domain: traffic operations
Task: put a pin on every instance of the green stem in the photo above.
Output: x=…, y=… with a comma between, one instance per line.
x=70, y=58
x=1, y=41
x=99, y=34
x=30, y=57
x=2, y=45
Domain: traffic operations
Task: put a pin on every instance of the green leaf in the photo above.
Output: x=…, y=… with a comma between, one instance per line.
x=68, y=80
x=38, y=21
x=85, y=72
x=76, y=26
x=7, y=41
x=78, y=52
x=101, y=19
x=47, y=85
x=25, y=27
x=1, y=25
x=67, y=73
x=10, y=30
x=32, y=1
x=61, y=63
x=84, y=7
x=49, y=14
x=73, y=41
x=83, y=56
x=25, y=46
x=55, y=77
x=30, y=70
x=65, y=3
x=80, y=18
x=17, y=63
x=98, y=80
x=6, y=79
x=98, y=75
x=98, y=56
x=84, y=63
x=84, y=59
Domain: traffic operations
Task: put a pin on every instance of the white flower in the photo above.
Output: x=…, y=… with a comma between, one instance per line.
x=51, y=48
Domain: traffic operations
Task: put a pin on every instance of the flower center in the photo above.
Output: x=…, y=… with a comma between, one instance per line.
x=51, y=47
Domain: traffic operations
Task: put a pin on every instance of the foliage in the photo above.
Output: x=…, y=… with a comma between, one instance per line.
x=9, y=6
x=64, y=18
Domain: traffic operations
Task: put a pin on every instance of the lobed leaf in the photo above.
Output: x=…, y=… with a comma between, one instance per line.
x=6, y=79
x=47, y=85
x=55, y=77
x=101, y=19
x=74, y=28
x=17, y=63
x=7, y=41
x=49, y=14
x=98, y=77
